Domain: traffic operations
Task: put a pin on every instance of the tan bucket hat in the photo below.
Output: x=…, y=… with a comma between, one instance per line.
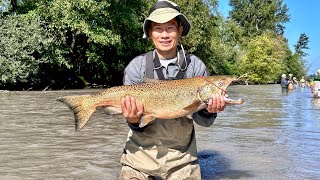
x=162, y=12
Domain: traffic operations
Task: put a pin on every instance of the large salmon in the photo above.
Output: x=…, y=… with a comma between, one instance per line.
x=161, y=99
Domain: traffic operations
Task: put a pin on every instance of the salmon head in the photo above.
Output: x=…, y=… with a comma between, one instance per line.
x=216, y=85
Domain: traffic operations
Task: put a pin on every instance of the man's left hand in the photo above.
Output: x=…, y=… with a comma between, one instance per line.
x=216, y=104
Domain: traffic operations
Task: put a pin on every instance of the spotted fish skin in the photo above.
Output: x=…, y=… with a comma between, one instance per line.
x=161, y=99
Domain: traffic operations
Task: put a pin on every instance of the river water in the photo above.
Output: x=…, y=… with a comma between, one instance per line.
x=274, y=135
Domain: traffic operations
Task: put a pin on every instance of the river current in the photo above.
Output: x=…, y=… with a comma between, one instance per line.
x=273, y=135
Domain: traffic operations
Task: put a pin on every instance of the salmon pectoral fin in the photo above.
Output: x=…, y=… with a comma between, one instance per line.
x=82, y=113
x=193, y=107
x=146, y=119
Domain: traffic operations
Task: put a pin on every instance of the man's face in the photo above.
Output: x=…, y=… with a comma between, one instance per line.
x=165, y=36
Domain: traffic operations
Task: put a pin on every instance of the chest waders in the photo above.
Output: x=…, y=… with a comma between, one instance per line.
x=153, y=63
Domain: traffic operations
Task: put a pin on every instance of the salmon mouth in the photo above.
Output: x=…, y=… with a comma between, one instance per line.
x=224, y=93
x=229, y=101
x=232, y=101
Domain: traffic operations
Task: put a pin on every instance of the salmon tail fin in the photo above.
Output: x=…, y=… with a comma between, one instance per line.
x=82, y=110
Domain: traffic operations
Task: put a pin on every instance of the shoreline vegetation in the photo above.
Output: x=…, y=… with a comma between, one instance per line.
x=75, y=44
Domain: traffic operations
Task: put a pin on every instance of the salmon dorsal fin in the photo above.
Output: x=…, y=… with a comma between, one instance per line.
x=148, y=80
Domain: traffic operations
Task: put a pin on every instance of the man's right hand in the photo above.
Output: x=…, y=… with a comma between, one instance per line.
x=130, y=110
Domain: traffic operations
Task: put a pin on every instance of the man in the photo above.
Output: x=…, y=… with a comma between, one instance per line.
x=290, y=81
x=284, y=83
x=164, y=149
x=315, y=86
x=290, y=77
x=295, y=83
x=302, y=82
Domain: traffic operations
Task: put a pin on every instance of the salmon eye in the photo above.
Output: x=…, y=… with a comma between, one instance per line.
x=219, y=84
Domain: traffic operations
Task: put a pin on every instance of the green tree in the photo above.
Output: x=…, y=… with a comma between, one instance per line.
x=91, y=41
x=224, y=47
x=295, y=63
x=205, y=39
x=10, y=7
x=263, y=58
x=256, y=16
x=94, y=39
x=302, y=45
x=23, y=44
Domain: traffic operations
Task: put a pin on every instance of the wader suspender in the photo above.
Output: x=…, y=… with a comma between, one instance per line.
x=154, y=64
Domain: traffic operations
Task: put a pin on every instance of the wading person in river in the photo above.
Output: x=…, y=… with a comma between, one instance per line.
x=302, y=82
x=284, y=83
x=315, y=85
x=164, y=149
